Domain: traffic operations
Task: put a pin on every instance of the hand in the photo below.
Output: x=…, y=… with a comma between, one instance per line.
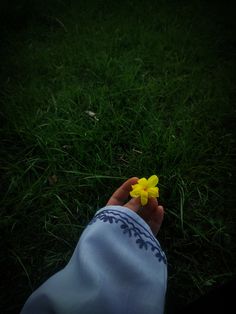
x=151, y=213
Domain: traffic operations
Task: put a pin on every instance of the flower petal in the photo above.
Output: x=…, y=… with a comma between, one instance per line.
x=153, y=192
x=143, y=182
x=136, y=192
x=144, y=197
x=135, y=186
x=152, y=181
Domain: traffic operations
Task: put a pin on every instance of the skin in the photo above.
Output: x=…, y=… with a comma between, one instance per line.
x=152, y=213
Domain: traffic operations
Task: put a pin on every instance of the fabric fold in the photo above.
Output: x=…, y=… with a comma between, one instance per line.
x=118, y=266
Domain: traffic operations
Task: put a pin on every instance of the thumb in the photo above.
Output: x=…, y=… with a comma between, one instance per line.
x=134, y=204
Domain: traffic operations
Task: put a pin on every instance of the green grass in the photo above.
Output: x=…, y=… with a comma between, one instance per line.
x=160, y=77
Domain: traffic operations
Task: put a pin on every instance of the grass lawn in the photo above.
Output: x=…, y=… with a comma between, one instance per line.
x=159, y=75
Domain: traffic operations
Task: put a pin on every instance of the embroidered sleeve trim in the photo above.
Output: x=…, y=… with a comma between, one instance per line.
x=132, y=228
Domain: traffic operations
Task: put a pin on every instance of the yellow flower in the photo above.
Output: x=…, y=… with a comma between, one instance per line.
x=145, y=188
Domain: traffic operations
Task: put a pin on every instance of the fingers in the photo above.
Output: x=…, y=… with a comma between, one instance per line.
x=153, y=214
x=134, y=204
x=121, y=195
x=147, y=211
x=156, y=222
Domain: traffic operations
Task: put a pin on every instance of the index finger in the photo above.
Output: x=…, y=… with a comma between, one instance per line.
x=120, y=196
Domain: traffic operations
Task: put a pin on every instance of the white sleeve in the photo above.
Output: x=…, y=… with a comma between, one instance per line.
x=118, y=267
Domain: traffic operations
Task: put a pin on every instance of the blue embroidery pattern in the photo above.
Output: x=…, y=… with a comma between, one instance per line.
x=145, y=239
